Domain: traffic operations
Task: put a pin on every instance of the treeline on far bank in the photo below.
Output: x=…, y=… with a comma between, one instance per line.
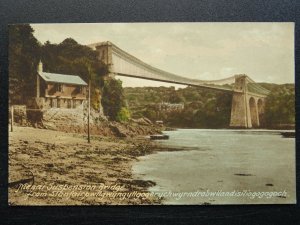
x=207, y=108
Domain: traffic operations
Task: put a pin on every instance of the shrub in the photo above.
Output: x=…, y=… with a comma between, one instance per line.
x=123, y=115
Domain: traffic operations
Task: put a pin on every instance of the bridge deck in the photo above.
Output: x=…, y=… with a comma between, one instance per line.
x=208, y=86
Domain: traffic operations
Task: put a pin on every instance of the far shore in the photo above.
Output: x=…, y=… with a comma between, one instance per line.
x=274, y=127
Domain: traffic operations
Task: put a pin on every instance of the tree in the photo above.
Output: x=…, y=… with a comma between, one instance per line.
x=176, y=97
x=69, y=57
x=280, y=106
x=202, y=108
x=151, y=114
x=24, y=55
x=113, y=98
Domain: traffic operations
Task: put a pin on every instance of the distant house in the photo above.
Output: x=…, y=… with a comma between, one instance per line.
x=170, y=107
x=59, y=90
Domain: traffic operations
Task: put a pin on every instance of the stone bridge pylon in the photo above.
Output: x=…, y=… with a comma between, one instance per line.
x=247, y=107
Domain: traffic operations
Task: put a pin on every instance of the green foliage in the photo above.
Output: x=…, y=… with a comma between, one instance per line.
x=69, y=57
x=151, y=114
x=280, y=106
x=24, y=55
x=123, y=115
x=176, y=97
x=213, y=113
x=113, y=99
x=202, y=108
x=96, y=98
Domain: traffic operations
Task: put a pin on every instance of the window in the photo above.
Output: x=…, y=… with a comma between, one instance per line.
x=59, y=88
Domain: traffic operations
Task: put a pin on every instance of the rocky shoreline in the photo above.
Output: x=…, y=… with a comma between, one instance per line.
x=46, y=167
x=75, y=121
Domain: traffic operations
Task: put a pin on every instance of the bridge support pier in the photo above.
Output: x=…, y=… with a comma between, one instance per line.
x=246, y=108
x=240, y=111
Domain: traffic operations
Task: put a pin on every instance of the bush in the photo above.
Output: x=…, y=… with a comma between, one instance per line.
x=123, y=115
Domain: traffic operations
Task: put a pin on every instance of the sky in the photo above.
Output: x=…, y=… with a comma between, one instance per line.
x=205, y=51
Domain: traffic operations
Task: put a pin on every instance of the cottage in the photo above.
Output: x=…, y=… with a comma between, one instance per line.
x=59, y=90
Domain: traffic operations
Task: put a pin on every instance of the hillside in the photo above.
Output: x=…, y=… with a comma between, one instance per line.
x=205, y=108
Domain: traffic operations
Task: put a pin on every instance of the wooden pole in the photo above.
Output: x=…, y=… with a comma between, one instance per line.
x=12, y=119
x=89, y=111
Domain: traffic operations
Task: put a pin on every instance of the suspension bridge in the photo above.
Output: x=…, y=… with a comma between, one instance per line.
x=248, y=97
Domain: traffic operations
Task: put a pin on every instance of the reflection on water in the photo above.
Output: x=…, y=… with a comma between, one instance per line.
x=217, y=157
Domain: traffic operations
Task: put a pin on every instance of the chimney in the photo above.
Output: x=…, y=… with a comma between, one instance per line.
x=40, y=67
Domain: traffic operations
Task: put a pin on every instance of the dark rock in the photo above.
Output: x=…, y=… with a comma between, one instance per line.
x=243, y=174
x=118, y=131
x=50, y=165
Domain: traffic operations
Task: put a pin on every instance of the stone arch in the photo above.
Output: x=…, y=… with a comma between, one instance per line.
x=253, y=112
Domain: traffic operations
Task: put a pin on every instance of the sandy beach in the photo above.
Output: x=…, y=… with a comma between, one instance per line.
x=55, y=168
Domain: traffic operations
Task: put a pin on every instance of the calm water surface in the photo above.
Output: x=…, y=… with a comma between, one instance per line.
x=222, y=160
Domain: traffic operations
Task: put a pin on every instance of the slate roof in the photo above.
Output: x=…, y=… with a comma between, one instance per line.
x=62, y=78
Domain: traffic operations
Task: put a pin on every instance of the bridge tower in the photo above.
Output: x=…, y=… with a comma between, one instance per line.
x=246, y=108
x=105, y=55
